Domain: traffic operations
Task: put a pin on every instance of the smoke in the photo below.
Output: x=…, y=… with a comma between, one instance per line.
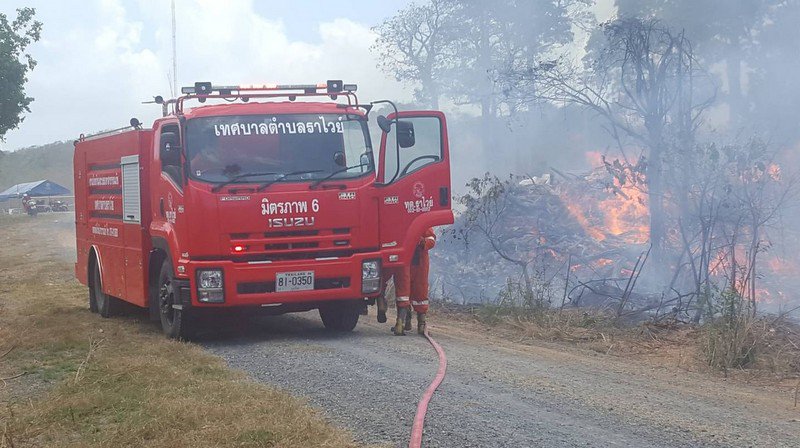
x=737, y=96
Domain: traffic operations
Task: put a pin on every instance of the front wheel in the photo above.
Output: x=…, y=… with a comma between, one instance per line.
x=340, y=316
x=175, y=322
x=100, y=302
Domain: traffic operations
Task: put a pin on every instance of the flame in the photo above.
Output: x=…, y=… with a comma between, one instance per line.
x=767, y=289
x=576, y=212
x=774, y=172
x=626, y=214
x=621, y=211
x=594, y=158
x=767, y=296
x=615, y=212
x=781, y=266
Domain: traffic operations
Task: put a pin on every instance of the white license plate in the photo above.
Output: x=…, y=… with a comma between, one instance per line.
x=294, y=281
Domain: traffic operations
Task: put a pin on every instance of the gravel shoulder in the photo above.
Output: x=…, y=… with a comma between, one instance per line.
x=498, y=393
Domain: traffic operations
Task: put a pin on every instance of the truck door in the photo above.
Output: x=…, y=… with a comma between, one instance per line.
x=168, y=192
x=413, y=180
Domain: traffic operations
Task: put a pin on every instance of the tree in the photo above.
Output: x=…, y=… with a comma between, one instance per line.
x=15, y=63
x=486, y=206
x=415, y=47
x=753, y=41
x=736, y=195
x=643, y=80
x=493, y=35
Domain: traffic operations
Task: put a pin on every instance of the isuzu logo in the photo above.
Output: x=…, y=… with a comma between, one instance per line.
x=304, y=221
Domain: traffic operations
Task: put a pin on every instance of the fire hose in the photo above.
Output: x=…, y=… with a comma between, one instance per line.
x=422, y=406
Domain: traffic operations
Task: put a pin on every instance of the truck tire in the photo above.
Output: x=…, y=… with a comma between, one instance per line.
x=92, y=293
x=176, y=323
x=340, y=316
x=105, y=304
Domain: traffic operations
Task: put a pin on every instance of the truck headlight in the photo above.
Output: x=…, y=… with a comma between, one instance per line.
x=370, y=276
x=210, y=285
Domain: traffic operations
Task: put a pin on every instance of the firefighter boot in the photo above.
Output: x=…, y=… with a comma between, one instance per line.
x=382, y=306
x=421, y=323
x=408, y=321
x=399, y=326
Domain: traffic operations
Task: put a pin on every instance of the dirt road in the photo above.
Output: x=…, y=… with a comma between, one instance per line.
x=497, y=393
x=502, y=394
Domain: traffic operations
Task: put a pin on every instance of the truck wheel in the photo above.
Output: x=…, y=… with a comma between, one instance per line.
x=105, y=304
x=92, y=293
x=340, y=316
x=175, y=323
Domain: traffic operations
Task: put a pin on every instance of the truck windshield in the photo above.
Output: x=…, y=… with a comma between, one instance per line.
x=219, y=149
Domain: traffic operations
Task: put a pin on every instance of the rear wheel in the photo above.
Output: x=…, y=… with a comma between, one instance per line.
x=104, y=304
x=175, y=321
x=92, y=293
x=340, y=316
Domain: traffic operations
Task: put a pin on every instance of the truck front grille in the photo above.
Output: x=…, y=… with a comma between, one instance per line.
x=295, y=244
x=291, y=233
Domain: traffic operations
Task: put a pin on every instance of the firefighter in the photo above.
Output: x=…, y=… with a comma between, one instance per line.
x=381, y=302
x=411, y=286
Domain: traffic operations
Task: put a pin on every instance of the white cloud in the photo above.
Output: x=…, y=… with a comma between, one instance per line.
x=98, y=64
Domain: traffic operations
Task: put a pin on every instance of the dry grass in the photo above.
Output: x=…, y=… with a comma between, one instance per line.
x=764, y=343
x=88, y=381
x=6, y=219
x=568, y=325
x=765, y=350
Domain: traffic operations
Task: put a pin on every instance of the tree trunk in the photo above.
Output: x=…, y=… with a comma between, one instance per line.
x=487, y=123
x=486, y=85
x=735, y=95
x=528, y=285
x=656, y=189
x=433, y=92
x=430, y=90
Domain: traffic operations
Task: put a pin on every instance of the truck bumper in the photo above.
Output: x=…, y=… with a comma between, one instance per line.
x=254, y=283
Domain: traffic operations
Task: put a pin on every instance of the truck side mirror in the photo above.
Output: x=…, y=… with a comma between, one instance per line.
x=384, y=123
x=405, y=134
x=170, y=151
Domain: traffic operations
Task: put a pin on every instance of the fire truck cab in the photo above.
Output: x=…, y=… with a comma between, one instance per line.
x=271, y=197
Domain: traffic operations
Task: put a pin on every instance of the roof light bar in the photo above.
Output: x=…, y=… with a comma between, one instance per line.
x=206, y=88
x=334, y=86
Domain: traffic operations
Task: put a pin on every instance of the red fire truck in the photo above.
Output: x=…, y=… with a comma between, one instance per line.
x=268, y=196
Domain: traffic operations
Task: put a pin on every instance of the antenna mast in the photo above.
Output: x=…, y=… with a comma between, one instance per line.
x=174, y=54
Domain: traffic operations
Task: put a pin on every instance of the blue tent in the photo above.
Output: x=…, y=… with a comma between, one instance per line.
x=38, y=188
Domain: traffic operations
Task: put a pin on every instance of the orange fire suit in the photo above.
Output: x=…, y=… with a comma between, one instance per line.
x=411, y=284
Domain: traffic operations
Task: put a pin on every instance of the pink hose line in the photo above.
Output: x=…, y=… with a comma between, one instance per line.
x=422, y=407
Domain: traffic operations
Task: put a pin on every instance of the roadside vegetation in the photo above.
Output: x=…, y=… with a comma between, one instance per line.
x=656, y=218
x=70, y=378
x=735, y=343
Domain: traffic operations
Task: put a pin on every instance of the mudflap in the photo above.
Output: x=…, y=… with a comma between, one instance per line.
x=184, y=291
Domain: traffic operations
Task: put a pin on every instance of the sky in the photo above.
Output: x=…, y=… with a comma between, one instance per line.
x=98, y=60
